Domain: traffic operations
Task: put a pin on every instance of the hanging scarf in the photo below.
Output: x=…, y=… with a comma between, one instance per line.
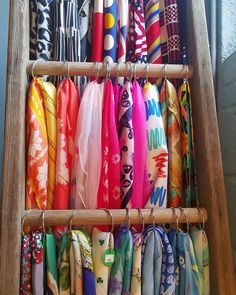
x=126, y=139
x=109, y=187
x=97, y=48
x=182, y=8
x=64, y=265
x=120, y=280
x=123, y=9
x=189, y=276
x=117, y=89
x=157, y=154
x=87, y=159
x=139, y=132
x=26, y=265
x=151, y=262
x=67, y=113
x=37, y=150
x=33, y=29
x=37, y=263
x=171, y=119
x=152, y=12
x=188, y=153
x=136, y=36
x=51, y=265
x=110, y=31
x=201, y=249
x=136, y=266
x=49, y=97
x=102, y=242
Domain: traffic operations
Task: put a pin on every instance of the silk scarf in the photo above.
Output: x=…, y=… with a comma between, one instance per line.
x=64, y=265
x=49, y=97
x=188, y=153
x=101, y=242
x=109, y=187
x=120, y=279
x=172, y=125
x=126, y=140
x=67, y=113
x=37, y=263
x=155, y=193
x=26, y=265
x=152, y=22
x=136, y=287
x=139, y=158
x=87, y=162
x=122, y=25
x=37, y=150
x=201, y=249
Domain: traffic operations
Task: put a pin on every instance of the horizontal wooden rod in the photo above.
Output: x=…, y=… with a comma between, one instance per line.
x=96, y=217
x=55, y=68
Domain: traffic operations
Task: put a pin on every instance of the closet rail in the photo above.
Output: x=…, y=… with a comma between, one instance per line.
x=99, y=216
x=55, y=68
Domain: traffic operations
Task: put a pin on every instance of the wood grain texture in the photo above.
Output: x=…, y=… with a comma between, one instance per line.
x=13, y=179
x=209, y=165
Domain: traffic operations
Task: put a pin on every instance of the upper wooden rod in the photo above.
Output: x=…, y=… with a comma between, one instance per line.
x=56, y=68
x=96, y=217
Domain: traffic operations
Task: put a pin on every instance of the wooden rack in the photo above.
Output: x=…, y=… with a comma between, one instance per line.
x=208, y=156
x=93, y=217
x=54, y=68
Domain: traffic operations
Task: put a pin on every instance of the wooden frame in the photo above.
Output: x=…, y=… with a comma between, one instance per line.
x=209, y=166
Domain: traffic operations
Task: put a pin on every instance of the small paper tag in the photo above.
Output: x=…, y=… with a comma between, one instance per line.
x=108, y=257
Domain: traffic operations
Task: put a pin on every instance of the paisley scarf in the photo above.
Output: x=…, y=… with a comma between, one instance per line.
x=26, y=265
x=126, y=139
x=155, y=193
x=37, y=263
x=171, y=118
x=37, y=150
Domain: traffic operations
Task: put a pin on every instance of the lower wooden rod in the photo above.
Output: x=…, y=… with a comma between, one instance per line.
x=96, y=217
x=56, y=68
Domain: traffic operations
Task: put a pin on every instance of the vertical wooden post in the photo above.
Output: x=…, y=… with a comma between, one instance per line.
x=13, y=179
x=209, y=166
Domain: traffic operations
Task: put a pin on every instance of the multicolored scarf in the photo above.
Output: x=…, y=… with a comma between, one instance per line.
x=49, y=97
x=37, y=150
x=123, y=10
x=87, y=162
x=172, y=125
x=64, y=265
x=109, y=187
x=126, y=139
x=188, y=153
x=26, y=265
x=155, y=192
x=152, y=12
x=67, y=113
x=37, y=263
x=120, y=280
x=136, y=288
x=136, y=36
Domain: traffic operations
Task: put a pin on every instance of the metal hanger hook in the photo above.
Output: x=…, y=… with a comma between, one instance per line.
x=23, y=220
x=186, y=69
x=203, y=217
x=112, y=218
x=71, y=219
x=33, y=66
x=186, y=217
x=164, y=69
x=108, y=70
x=97, y=70
x=142, y=218
x=43, y=221
x=176, y=217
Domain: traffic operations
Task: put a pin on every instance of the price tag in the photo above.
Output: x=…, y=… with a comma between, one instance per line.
x=108, y=257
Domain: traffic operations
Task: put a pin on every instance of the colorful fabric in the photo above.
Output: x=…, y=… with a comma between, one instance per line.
x=37, y=150
x=26, y=265
x=188, y=153
x=172, y=125
x=173, y=239
x=109, y=187
x=67, y=113
x=155, y=192
x=120, y=279
x=123, y=10
x=101, y=242
x=33, y=29
x=189, y=276
x=126, y=140
x=97, y=39
x=152, y=21
x=49, y=98
x=37, y=263
x=87, y=162
x=136, y=36
x=110, y=30
x=117, y=89
x=182, y=8
x=136, y=288
x=151, y=262
x=139, y=157
x=168, y=266
x=201, y=249
x=51, y=265
x=64, y=265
